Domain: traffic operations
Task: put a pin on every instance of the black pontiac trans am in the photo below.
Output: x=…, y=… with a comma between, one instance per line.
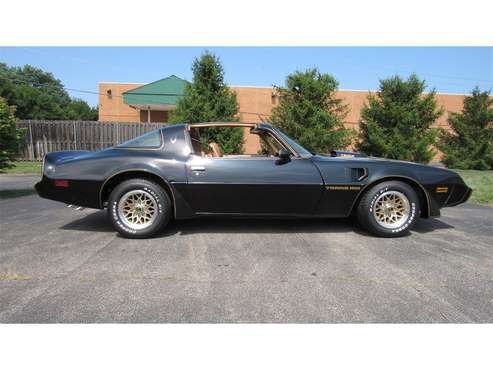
x=172, y=172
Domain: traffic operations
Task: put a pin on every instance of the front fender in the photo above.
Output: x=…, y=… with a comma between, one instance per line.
x=347, y=179
x=430, y=206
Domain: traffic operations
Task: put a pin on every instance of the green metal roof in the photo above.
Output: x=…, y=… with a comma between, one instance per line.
x=166, y=91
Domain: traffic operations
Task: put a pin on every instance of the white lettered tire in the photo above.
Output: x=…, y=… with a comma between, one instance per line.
x=139, y=208
x=389, y=209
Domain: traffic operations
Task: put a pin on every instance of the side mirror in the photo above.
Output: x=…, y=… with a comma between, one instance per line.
x=284, y=156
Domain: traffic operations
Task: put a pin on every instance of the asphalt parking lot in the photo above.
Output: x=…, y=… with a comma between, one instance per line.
x=17, y=181
x=62, y=265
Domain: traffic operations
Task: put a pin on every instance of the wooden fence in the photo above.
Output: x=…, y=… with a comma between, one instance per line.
x=51, y=136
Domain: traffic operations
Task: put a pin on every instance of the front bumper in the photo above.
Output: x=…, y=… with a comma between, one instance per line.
x=448, y=193
x=459, y=194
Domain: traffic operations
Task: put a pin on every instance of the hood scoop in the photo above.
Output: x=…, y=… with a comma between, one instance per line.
x=340, y=153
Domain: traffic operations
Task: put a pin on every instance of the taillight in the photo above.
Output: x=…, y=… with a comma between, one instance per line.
x=61, y=183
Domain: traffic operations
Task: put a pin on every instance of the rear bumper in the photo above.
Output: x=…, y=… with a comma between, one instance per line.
x=79, y=192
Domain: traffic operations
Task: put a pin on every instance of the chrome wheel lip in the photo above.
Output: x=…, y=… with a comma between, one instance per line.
x=137, y=209
x=391, y=209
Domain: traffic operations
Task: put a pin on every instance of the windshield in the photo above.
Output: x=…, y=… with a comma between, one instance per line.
x=301, y=151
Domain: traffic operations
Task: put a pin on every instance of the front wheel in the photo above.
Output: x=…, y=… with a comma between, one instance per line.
x=139, y=208
x=389, y=209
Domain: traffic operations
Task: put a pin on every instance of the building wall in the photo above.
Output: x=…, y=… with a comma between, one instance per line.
x=251, y=142
x=156, y=116
x=261, y=101
x=255, y=104
x=112, y=108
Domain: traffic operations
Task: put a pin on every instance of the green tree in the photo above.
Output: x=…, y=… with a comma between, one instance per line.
x=39, y=95
x=396, y=122
x=470, y=144
x=79, y=110
x=208, y=99
x=10, y=136
x=309, y=111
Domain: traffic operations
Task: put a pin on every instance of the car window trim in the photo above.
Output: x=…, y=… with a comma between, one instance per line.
x=188, y=139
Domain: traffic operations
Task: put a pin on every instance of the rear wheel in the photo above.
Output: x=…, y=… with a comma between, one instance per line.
x=139, y=208
x=389, y=209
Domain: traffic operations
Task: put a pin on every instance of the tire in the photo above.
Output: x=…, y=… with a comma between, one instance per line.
x=139, y=208
x=389, y=209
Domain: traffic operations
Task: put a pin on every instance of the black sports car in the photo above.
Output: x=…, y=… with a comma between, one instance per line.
x=173, y=172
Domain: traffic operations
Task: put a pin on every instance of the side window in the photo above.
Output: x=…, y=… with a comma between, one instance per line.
x=196, y=143
x=207, y=142
x=269, y=146
x=151, y=139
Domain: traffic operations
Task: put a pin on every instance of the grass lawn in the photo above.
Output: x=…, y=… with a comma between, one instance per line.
x=24, y=167
x=481, y=183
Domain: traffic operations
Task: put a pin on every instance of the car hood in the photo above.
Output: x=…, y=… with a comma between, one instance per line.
x=360, y=158
x=384, y=162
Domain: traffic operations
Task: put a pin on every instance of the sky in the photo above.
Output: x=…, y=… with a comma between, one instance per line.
x=454, y=70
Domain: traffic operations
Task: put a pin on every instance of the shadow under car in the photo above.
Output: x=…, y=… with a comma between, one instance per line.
x=98, y=222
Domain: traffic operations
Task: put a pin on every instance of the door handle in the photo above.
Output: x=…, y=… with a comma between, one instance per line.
x=197, y=168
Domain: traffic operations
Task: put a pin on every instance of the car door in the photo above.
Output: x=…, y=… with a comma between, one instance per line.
x=252, y=186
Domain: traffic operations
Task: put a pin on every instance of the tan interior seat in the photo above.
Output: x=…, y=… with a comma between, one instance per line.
x=216, y=149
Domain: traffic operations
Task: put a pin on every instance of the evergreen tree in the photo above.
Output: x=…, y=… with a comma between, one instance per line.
x=470, y=144
x=309, y=111
x=10, y=135
x=396, y=122
x=209, y=99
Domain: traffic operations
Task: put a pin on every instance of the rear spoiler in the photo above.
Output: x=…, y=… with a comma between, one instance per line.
x=340, y=153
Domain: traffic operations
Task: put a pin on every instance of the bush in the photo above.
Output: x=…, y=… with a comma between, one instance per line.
x=396, y=122
x=309, y=112
x=10, y=136
x=470, y=144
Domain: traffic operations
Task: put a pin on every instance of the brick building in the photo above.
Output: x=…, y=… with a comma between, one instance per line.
x=138, y=102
